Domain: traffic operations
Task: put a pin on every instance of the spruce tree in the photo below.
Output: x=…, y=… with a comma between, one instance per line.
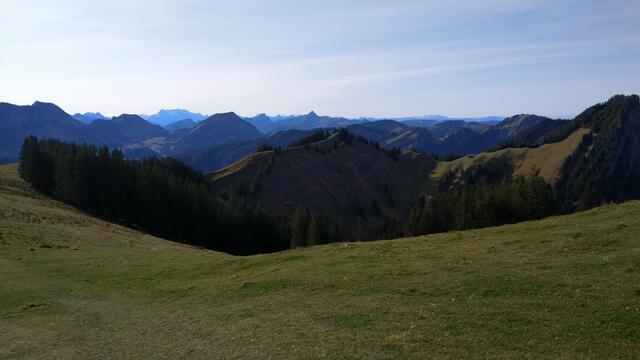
x=318, y=231
x=586, y=198
x=299, y=227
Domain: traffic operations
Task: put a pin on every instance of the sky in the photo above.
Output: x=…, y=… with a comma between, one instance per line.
x=344, y=58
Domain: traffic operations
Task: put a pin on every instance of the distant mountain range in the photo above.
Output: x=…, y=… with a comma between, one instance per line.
x=593, y=158
x=269, y=124
x=167, y=116
x=180, y=125
x=454, y=137
x=216, y=141
x=136, y=136
x=176, y=119
x=309, y=121
x=89, y=117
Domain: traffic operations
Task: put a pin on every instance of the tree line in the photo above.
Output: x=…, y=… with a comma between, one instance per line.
x=460, y=206
x=164, y=197
x=312, y=228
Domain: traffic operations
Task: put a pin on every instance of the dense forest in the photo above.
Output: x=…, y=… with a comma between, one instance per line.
x=162, y=196
x=606, y=166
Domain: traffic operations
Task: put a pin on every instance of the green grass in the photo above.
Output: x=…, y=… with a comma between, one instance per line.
x=74, y=286
x=547, y=158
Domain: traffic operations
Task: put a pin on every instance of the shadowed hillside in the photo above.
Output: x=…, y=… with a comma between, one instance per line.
x=349, y=180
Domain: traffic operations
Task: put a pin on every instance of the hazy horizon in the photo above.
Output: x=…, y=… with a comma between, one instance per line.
x=362, y=59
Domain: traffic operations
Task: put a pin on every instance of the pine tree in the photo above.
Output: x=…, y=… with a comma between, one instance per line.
x=586, y=198
x=337, y=234
x=318, y=231
x=361, y=234
x=299, y=227
x=34, y=167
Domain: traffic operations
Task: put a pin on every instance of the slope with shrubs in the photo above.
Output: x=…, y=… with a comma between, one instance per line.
x=77, y=287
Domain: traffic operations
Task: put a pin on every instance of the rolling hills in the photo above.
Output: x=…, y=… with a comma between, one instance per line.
x=78, y=287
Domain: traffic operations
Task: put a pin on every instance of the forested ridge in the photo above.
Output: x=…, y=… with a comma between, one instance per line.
x=606, y=167
x=168, y=198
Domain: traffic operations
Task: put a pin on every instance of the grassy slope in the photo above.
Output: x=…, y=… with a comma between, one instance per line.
x=77, y=287
x=548, y=158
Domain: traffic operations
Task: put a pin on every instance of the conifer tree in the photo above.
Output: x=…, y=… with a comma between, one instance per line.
x=299, y=227
x=318, y=231
x=586, y=198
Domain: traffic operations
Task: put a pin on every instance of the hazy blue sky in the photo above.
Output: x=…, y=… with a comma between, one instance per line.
x=353, y=58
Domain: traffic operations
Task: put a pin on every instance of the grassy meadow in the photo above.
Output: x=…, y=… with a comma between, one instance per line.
x=74, y=286
x=547, y=159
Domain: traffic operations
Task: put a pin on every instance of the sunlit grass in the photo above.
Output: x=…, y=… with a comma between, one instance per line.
x=77, y=287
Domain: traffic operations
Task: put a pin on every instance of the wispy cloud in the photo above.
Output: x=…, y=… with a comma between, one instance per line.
x=292, y=55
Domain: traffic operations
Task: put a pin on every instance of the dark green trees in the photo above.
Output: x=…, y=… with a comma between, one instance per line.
x=318, y=232
x=306, y=228
x=163, y=196
x=606, y=165
x=314, y=136
x=476, y=206
x=299, y=225
x=34, y=167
